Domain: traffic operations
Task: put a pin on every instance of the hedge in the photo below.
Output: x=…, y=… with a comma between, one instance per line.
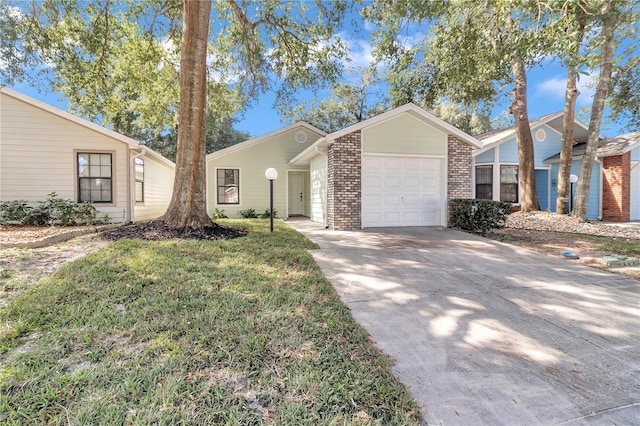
x=475, y=215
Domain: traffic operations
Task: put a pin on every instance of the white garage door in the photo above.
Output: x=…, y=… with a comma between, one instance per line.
x=635, y=191
x=402, y=191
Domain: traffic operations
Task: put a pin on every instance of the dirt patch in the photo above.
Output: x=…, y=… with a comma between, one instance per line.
x=13, y=234
x=157, y=230
x=21, y=268
x=553, y=234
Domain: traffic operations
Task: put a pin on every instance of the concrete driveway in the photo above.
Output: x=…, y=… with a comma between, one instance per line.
x=486, y=333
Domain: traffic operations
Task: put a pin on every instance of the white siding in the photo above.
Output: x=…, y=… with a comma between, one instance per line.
x=158, y=187
x=318, y=174
x=38, y=156
x=634, y=209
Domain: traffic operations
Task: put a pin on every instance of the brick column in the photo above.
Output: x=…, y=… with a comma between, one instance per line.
x=616, y=188
x=344, y=183
x=459, y=170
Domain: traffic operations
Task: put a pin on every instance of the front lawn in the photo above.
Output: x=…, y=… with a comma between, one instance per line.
x=244, y=331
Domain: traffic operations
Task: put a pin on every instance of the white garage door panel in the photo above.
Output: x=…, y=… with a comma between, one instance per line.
x=635, y=192
x=402, y=191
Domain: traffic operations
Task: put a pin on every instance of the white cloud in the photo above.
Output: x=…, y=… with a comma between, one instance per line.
x=370, y=26
x=554, y=88
x=360, y=53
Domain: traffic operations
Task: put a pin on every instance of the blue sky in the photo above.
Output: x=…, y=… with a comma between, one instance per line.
x=546, y=85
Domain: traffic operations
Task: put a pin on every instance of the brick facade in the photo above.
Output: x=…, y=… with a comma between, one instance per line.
x=616, y=188
x=344, y=183
x=344, y=180
x=459, y=165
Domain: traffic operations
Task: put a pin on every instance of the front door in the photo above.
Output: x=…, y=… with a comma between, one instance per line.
x=296, y=194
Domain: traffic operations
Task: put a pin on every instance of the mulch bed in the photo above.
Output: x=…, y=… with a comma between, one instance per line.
x=158, y=231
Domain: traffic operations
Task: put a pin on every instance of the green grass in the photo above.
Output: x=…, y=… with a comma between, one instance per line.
x=244, y=332
x=625, y=247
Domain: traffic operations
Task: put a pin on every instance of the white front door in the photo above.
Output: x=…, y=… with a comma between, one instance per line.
x=296, y=194
x=402, y=191
x=634, y=208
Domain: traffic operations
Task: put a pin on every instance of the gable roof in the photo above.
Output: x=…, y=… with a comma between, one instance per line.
x=70, y=117
x=617, y=145
x=148, y=152
x=410, y=108
x=554, y=120
x=576, y=153
x=263, y=138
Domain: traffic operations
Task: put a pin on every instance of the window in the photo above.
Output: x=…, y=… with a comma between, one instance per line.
x=94, y=177
x=509, y=184
x=139, y=172
x=228, y=184
x=484, y=182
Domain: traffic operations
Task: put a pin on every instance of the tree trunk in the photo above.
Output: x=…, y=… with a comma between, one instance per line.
x=526, y=165
x=604, y=79
x=188, y=203
x=571, y=94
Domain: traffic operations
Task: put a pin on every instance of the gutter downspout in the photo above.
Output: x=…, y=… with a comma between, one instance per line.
x=600, y=191
x=132, y=183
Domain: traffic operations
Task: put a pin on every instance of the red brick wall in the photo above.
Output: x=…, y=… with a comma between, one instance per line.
x=344, y=183
x=616, y=187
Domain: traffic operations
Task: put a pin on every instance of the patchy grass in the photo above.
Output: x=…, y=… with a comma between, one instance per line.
x=245, y=331
x=15, y=275
x=615, y=246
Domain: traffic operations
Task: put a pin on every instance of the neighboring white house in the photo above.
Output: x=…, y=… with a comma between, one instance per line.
x=44, y=149
x=399, y=168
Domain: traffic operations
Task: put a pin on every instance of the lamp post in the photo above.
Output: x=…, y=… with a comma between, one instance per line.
x=572, y=179
x=271, y=174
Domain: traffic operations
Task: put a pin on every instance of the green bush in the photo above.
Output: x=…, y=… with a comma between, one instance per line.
x=219, y=214
x=478, y=215
x=267, y=214
x=13, y=211
x=52, y=211
x=248, y=214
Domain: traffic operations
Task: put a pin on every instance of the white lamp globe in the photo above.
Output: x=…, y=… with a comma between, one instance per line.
x=573, y=178
x=271, y=173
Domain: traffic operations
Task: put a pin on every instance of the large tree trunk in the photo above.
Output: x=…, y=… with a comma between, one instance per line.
x=526, y=165
x=188, y=203
x=570, y=96
x=604, y=79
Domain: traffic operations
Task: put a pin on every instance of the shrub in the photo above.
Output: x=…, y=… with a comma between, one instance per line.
x=267, y=214
x=13, y=212
x=478, y=215
x=52, y=211
x=248, y=214
x=219, y=214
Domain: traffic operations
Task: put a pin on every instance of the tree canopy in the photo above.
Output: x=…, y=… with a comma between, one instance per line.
x=117, y=63
x=347, y=104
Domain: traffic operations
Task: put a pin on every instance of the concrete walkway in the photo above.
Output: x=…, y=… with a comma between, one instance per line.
x=486, y=333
